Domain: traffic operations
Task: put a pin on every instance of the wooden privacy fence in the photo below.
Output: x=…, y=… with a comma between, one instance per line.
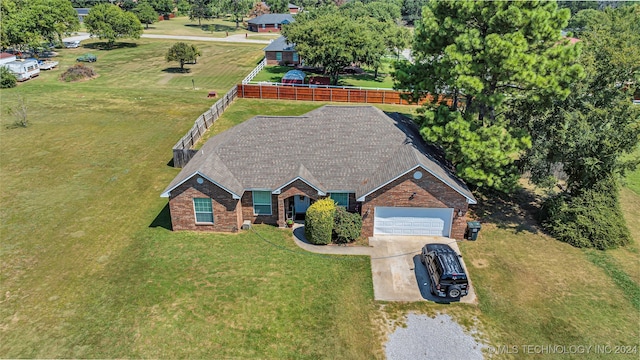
x=182, y=150
x=328, y=93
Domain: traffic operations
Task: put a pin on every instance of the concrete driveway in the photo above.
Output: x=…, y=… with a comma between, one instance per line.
x=398, y=274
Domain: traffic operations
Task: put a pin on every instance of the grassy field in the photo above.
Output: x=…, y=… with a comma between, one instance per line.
x=208, y=28
x=89, y=268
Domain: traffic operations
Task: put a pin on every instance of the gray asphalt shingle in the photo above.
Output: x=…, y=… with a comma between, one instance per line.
x=334, y=148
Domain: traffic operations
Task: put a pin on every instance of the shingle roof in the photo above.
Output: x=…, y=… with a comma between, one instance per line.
x=271, y=19
x=280, y=44
x=333, y=148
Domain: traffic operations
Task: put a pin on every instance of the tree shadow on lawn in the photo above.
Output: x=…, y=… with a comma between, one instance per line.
x=105, y=45
x=163, y=219
x=176, y=70
x=212, y=27
x=514, y=211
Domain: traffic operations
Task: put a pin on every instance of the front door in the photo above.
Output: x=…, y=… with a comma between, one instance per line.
x=301, y=203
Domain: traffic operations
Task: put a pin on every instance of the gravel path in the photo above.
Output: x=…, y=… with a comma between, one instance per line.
x=432, y=338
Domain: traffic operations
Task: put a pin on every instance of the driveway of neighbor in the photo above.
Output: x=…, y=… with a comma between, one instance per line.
x=398, y=274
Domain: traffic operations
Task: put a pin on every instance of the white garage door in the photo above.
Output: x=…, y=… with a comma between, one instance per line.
x=412, y=221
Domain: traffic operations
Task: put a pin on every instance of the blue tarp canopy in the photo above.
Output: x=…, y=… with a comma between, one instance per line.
x=294, y=75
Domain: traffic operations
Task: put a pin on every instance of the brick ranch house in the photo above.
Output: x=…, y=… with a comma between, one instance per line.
x=271, y=168
x=281, y=52
x=269, y=22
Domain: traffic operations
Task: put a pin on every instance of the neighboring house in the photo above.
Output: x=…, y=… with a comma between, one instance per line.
x=82, y=13
x=271, y=168
x=269, y=22
x=294, y=9
x=7, y=58
x=281, y=52
x=23, y=69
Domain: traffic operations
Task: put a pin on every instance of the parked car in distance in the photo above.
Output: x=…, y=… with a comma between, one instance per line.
x=47, y=64
x=88, y=57
x=447, y=276
x=71, y=44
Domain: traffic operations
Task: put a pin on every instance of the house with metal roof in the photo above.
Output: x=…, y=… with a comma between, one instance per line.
x=269, y=22
x=281, y=52
x=272, y=168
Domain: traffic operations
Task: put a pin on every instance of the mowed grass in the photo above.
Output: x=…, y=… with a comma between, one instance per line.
x=219, y=28
x=383, y=81
x=89, y=268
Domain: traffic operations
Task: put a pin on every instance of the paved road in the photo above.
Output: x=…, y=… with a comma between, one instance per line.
x=238, y=38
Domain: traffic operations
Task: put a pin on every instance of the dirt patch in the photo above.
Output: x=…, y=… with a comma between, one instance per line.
x=165, y=79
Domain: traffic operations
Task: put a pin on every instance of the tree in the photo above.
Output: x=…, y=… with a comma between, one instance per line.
x=200, y=9
x=162, y=6
x=145, y=13
x=109, y=22
x=279, y=6
x=183, y=53
x=411, y=10
x=329, y=39
x=238, y=9
x=30, y=23
x=591, y=133
x=483, y=57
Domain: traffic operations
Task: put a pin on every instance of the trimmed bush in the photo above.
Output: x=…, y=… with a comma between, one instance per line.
x=78, y=72
x=347, y=226
x=318, y=223
x=591, y=219
x=7, y=79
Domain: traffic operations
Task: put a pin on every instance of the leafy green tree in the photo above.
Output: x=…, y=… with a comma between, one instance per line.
x=145, y=13
x=279, y=6
x=484, y=56
x=591, y=134
x=30, y=23
x=238, y=9
x=183, y=7
x=183, y=53
x=411, y=10
x=200, y=9
x=576, y=6
x=162, y=6
x=110, y=23
x=331, y=40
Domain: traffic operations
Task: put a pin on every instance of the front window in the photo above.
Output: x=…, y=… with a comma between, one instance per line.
x=279, y=56
x=341, y=199
x=262, y=202
x=203, y=209
x=295, y=56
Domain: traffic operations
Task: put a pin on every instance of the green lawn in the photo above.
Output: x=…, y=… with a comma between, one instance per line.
x=209, y=28
x=89, y=269
x=383, y=81
x=88, y=266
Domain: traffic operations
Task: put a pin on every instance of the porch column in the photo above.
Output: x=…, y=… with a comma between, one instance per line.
x=281, y=217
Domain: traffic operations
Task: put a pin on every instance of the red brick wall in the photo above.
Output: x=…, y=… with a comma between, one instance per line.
x=287, y=58
x=247, y=210
x=226, y=210
x=430, y=193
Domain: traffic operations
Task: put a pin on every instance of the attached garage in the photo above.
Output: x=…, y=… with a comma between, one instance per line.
x=412, y=221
